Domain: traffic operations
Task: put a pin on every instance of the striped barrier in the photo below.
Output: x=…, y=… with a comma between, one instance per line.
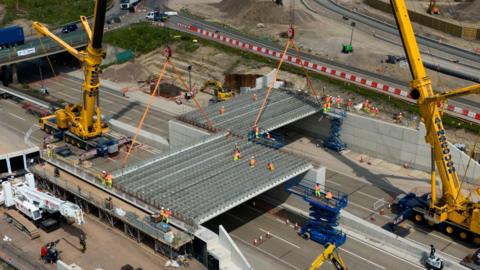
x=324, y=70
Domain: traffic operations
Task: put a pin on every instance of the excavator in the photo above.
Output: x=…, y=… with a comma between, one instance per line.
x=80, y=122
x=221, y=94
x=454, y=212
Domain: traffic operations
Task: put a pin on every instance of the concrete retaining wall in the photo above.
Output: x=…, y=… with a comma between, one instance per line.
x=181, y=134
x=394, y=143
x=236, y=256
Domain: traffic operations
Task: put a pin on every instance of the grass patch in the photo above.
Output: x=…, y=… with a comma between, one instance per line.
x=52, y=12
x=143, y=38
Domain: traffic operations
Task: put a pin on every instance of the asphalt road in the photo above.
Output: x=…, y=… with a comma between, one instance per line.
x=465, y=103
x=286, y=250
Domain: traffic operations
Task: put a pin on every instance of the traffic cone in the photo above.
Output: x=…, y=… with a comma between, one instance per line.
x=287, y=221
x=296, y=226
x=255, y=242
x=268, y=235
x=372, y=217
x=261, y=239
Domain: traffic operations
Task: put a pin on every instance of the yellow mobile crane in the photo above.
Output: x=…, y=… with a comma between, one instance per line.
x=79, y=118
x=454, y=212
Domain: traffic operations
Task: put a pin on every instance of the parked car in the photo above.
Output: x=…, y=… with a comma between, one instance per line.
x=69, y=28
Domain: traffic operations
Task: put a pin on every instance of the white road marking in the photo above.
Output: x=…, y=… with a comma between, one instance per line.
x=383, y=251
x=368, y=209
x=65, y=95
x=422, y=244
x=334, y=183
x=16, y=116
x=368, y=195
x=362, y=258
x=279, y=238
x=264, y=252
x=417, y=228
x=11, y=102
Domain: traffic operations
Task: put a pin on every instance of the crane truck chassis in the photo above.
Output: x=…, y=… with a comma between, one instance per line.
x=36, y=207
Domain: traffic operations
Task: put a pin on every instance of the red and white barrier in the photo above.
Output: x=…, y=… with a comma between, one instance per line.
x=338, y=74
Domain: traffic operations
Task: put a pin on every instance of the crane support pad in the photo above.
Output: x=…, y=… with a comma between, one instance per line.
x=23, y=223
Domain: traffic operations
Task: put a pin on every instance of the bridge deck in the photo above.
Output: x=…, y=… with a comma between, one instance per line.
x=283, y=107
x=203, y=181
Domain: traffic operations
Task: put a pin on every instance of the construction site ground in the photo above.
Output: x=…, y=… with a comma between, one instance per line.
x=370, y=52
x=107, y=248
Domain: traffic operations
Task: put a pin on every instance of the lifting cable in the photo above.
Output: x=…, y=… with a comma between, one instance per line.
x=48, y=58
x=162, y=72
x=195, y=101
x=168, y=53
x=291, y=42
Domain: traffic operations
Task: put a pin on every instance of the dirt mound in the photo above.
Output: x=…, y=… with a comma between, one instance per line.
x=254, y=11
x=128, y=72
x=468, y=11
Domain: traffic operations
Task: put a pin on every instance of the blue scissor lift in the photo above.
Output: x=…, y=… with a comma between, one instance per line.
x=334, y=141
x=324, y=214
x=276, y=140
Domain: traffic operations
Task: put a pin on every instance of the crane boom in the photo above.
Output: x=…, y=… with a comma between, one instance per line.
x=453, y=207
x=79, y=119
x=328, y=254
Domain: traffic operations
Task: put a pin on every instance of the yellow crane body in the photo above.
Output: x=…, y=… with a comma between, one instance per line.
x=83, y=120
x=453, y=207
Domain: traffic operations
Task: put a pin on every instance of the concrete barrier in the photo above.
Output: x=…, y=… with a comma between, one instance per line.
x=391, y=142
x=181, y=134
x=143, y=136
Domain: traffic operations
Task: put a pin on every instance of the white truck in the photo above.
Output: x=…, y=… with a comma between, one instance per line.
x=127, y=4
x=35, y=204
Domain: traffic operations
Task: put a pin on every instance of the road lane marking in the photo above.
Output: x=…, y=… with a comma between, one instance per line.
x=384, y=251
x=16, y=116
x=362, y=258
x=264, y=252
x=279, y=238
x=368, y=209
x=334, y=183
x=11, y=102
x=368, y=195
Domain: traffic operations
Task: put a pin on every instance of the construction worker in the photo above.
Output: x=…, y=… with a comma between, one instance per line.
x=49, y=151
x=325, y=106
x=349, y=104
x=83, y=242
x=253, y=162
x=162, y=213
x=366, y=104
x=257, y=132
x=338, y=102
x=103, y=177
x=221, y=110
x=167, y=215
x=328, y=106
x=317, y=190
x=236, y=155
x=270, y=166
x=329, y=195
x=237, y=147
x=108, y=180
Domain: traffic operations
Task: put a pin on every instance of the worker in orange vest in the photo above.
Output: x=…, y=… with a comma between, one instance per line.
x=253, y=162
x=325, y=107
x=270, y=166
x=317, y=190
x=236, y=155
x=328, y=106
x=257, y=132
x=108, y=180
x=349, y=104
x=167, y=215
x=366, y=104
x=338, y=102
x=329, y=195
